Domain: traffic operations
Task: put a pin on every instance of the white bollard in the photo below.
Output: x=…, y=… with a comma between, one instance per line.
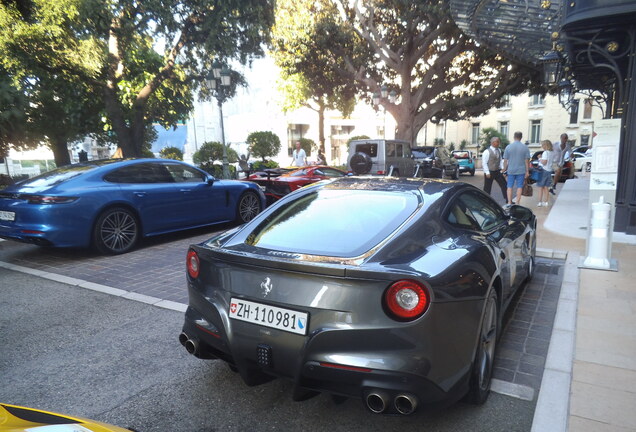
x=599, y=236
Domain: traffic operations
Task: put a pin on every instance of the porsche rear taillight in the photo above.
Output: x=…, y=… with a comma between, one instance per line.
x=45, y=199
x=406, y=299
x=193, y=264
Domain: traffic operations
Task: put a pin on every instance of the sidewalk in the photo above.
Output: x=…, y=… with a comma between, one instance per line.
x=589, y=382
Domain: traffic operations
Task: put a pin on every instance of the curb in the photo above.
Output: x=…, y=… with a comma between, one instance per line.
x=553, y=403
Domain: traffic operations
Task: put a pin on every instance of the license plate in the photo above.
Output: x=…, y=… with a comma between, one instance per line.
x=7, y=215
x=269, y=316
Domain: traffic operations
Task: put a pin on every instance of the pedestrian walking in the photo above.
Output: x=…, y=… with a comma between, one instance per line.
x=545, y=165
x=516, y=159
x=492, y=163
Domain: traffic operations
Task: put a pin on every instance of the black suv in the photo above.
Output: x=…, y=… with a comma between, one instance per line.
x=435, y=161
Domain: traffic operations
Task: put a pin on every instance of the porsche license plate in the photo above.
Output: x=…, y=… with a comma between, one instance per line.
x=269, y=316
x=7, y=215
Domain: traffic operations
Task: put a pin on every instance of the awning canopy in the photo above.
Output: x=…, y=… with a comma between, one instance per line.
x=517, y=29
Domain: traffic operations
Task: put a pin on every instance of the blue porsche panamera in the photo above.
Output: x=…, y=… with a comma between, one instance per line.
x=111, y=204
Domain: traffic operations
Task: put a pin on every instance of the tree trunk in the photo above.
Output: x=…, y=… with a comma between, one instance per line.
x=59, y=146
x=321, y=126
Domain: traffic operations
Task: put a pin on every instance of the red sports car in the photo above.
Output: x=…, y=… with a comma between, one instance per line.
x=277, y=187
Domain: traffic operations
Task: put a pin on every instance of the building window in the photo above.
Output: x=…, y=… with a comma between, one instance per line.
x=504, y=102
x=587, y=109
x=537, y=100
x=474, y=138
x=294, y=133
x=504, y=127
x=574, y=112
x=535, y=131
x=585, y=140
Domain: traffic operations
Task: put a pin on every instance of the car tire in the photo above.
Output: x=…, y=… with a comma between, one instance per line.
x=360, y=163
x=396, y=173
x=116, y=231
x=588, y=167
x=481, y=374
x=248, y=206
x=456, y=174
x=472, y=173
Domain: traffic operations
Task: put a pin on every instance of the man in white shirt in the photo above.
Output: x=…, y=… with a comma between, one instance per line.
x=562, y=152
x=492, y=163
x=299, y=158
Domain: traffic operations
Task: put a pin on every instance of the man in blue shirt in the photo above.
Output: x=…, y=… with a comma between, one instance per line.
x=516, y=159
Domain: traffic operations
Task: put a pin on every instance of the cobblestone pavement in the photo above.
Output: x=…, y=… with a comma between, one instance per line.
x=157, y=268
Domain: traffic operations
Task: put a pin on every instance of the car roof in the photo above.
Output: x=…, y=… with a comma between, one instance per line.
x=426, y=186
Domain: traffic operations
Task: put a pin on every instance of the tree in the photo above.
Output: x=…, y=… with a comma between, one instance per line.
x=485, y=136
x=415, y=49
x=171, y=153
x=13, y=118
x=211, y=152
x=144, y=59
x=310, y=73
x=263, y=144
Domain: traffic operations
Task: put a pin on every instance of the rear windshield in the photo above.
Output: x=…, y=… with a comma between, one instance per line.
x=57, y=176
x=422, y=152
x=461, y=155
x=338, y=223
x=368, y=148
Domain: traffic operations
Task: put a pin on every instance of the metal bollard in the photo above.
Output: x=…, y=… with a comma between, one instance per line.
x=598, y=239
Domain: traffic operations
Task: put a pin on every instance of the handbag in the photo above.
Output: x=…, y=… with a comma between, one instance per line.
x=526, y=190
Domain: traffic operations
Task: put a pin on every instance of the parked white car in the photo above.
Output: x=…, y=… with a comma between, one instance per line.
x=582, y=161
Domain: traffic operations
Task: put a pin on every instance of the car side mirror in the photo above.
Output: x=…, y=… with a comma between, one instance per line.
x=520, y=213
x=211, y=179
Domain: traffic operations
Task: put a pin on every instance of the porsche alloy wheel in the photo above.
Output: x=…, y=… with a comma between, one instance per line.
x=485, y=357
x=116, y=231
x=248, y=207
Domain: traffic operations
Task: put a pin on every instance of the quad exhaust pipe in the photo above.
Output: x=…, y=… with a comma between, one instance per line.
x=190, y=345
x=405, y=403
x=378, y=401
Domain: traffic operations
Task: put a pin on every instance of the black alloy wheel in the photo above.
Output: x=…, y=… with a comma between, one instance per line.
x=248, y=207
x=116, y=231
x=485, y=356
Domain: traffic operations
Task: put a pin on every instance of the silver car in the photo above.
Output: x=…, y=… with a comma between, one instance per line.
x=381, y=157
x=387, y=290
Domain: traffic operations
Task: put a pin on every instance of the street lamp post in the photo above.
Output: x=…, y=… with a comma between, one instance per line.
x=383, y=95
x=218, y=82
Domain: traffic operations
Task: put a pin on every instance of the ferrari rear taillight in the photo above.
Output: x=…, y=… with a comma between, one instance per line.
x=406, y=299
x=192, y=263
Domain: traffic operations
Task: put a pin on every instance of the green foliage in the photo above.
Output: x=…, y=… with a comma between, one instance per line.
x=307, y=144
x=263, y=144
x=357, y=137
x=416, y=50
x=451, y=146
x=211, y=152
x=261, y=165
x=142, y=60
x=310, y=74
x=438, y=141
x=171, y=153
x=463, y=144
x=485, y=136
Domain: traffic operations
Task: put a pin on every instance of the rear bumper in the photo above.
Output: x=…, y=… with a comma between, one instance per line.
x=343, y=361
